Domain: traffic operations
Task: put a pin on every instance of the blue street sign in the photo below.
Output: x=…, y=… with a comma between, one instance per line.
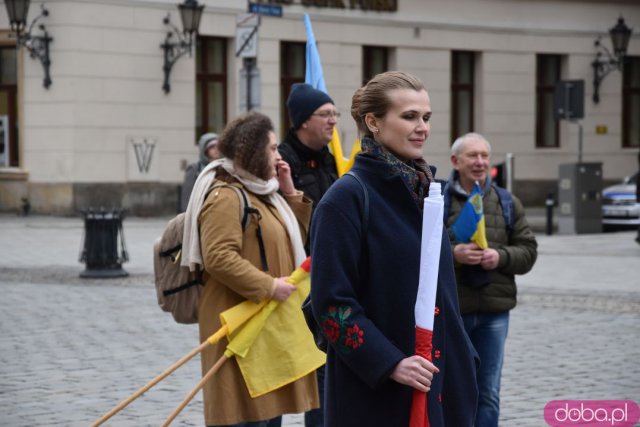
x=266, y=9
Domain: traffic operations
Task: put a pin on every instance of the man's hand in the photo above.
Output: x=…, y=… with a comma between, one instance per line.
x=490, y=259
x=468, y=253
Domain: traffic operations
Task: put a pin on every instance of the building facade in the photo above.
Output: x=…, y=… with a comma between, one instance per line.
x=106, y=134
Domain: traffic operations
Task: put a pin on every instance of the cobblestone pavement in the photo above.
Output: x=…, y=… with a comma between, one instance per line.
x=71, y=349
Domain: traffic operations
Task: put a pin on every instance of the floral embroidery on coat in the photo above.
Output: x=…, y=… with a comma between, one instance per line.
x=339, y=331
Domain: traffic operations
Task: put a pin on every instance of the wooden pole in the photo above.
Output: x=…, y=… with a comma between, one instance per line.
x=151, y=383
x=190, y=396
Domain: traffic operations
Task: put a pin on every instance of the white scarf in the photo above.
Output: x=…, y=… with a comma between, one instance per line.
x=191, y=253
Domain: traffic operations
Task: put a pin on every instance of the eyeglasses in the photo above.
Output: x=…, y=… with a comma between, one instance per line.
x=325, y=115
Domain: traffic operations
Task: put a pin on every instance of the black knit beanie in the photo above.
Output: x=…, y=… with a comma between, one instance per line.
x=303, y=101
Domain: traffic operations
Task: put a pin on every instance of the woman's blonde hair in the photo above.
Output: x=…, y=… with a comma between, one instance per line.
x=374, y=96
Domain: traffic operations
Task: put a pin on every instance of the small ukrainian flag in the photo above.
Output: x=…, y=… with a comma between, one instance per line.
x=469, y=226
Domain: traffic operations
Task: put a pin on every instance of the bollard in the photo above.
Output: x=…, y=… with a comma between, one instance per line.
x=549, y=202
x=100, y=246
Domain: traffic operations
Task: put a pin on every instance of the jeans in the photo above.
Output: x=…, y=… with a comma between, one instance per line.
x=273, y=422
x=315, y=417
x=488, y=333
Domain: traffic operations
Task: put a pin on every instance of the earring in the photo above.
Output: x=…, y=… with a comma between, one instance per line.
x=375, y=130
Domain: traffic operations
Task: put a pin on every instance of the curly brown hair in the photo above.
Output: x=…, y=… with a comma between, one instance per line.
x=244, y=141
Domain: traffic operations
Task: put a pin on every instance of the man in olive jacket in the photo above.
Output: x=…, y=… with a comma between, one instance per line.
x=486, y=277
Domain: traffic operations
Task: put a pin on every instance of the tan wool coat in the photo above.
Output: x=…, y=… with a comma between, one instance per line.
x=233, y=273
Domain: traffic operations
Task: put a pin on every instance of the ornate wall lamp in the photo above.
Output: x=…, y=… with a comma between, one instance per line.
x=190, y=12
x=605, y=61
x=38, y=46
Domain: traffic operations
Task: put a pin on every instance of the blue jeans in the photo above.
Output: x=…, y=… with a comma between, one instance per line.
x=488, y=333
x=273, y=422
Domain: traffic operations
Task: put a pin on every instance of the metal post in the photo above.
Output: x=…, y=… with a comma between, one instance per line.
x=549, y=202
x=509, y=163
x=248, y=66
x=579, y=123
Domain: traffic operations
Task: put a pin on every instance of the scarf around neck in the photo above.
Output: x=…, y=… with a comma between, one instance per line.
x=191, y=252
x=416, y=173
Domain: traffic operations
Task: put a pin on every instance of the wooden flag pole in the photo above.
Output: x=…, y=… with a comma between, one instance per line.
x=150, y=384
x=209, y=341
x=197, y=388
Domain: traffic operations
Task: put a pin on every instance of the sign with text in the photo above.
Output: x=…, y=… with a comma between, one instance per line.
x=266, y=9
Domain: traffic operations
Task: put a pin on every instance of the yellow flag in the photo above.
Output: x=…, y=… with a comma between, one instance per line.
x=275, y=347
x=342, y=164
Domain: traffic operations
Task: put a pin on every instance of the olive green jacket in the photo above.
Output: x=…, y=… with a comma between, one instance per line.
x=517, y=250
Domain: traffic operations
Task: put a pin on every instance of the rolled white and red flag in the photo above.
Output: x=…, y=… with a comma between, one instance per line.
x=432, y=223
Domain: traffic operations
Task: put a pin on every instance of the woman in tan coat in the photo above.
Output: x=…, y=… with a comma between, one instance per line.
x=234, y=268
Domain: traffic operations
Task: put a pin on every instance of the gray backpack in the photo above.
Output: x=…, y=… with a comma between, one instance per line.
x=177, y=288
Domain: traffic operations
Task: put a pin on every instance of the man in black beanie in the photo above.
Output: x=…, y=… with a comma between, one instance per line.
x=313, y=118
x=313, y=168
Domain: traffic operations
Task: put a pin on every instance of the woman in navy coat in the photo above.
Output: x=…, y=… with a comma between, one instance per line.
x=365, y=271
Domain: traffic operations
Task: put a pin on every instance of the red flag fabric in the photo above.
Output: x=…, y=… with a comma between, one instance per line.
x=419, y=416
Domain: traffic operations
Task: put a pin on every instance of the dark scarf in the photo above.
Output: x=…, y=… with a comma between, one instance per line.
x=415, y=173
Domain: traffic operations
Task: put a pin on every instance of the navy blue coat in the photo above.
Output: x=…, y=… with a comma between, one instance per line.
x=363, y=296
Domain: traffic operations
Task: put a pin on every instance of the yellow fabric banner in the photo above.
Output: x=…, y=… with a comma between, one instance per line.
x=275, y=346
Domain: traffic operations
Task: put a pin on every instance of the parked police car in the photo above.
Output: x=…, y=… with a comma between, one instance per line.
x=620, y=209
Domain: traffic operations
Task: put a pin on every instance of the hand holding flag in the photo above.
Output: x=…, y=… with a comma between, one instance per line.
x=469, y=226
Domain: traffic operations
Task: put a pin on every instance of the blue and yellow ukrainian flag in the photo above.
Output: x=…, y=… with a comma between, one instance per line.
x=314, y=76
x=469, y=226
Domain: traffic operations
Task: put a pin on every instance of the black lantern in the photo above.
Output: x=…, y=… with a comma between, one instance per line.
x=605, y=61
x=620, y=35
x=190, y=13
x=17, y=11
x=37, y=45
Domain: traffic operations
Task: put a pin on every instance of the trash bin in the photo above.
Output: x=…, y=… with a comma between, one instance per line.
x=99, y=250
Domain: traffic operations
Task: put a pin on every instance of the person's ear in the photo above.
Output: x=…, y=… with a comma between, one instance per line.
x=372, y=123
x=454, y=162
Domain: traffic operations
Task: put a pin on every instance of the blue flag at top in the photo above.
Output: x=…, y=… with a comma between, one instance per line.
x=469, y=225
x=313, y=74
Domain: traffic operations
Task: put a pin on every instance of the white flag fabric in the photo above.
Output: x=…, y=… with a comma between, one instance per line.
x=432, y=223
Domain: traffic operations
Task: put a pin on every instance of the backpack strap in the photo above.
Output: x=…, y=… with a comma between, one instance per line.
x=446, y=195
x=246, y=210
x=508, y=209
x=365, y=211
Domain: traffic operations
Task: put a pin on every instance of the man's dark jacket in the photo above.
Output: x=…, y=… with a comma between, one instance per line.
x=312, y=171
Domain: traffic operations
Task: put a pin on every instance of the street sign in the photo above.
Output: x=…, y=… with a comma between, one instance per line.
x=266, y=9
x=247, y=35
x=247, y=42
x=247, y=20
